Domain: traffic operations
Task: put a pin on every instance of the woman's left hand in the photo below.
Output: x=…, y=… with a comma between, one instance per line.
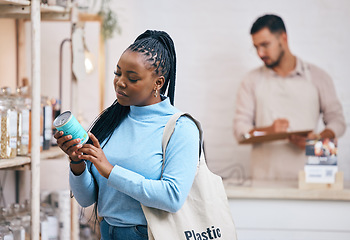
x=96, y=156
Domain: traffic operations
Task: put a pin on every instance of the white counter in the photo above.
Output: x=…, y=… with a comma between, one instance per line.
x=279, y=210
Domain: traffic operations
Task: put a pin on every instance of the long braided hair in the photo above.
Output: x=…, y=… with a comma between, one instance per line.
x=159, y=51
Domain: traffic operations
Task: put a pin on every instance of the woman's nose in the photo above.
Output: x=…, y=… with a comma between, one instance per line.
x=120, y=82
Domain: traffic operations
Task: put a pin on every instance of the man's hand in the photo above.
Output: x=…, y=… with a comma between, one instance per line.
x=299, y=141
x=279, y=125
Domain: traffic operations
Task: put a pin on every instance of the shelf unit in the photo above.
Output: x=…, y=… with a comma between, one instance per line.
x=23, y=163
x=36, y=12
x=22, y=10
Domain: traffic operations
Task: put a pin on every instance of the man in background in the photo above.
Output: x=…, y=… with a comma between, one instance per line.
x=285, y=94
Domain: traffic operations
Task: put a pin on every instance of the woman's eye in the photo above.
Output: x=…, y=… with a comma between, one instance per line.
x=133, y=80
x=117, y=74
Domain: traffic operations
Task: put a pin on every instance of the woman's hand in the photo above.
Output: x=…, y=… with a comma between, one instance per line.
x=96, y=156
x=68, y=145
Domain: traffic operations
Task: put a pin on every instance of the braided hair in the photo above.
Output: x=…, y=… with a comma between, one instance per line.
x=158, y=47
x=159, y=50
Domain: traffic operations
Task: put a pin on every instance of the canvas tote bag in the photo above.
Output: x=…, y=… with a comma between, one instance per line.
x=205, y=214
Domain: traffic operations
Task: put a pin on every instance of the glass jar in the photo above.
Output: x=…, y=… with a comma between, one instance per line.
x=24, y=92
x=23, y=110
x=8, y=128
x=52, y=225
x=17, y=229
x=5, y=233
x=15, y=223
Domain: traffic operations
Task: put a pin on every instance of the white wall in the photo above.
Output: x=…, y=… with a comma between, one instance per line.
x=8, y=53
x=214, y=51
x=7, y=78
x=52, y=35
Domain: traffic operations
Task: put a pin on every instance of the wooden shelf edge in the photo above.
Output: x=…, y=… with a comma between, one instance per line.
x=15, y=2
x=20, y=162
x=14, y=162
x=89, y=17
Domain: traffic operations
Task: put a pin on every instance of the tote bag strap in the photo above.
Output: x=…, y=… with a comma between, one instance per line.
x=169, y=130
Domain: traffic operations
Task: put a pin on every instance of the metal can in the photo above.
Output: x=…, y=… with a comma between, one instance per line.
x=67, y=123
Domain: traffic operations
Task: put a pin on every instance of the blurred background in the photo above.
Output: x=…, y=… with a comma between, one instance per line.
x=214, y=52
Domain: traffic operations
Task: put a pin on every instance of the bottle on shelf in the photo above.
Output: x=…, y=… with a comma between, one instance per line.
x=47, y=122
x=56, y=111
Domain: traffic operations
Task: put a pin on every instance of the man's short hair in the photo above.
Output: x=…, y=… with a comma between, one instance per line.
x=274, y=23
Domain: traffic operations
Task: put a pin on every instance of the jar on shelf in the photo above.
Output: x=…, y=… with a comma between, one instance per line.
x=47, y=122
x=24, y=92
x=16, y=226
x=50, y=222
x=5, y=233
x=23, y=212
x=8, y=128
x=23, y=121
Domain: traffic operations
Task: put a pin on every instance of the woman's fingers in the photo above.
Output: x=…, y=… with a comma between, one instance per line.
x=68, y=145
x=90, y=158
x=58, y=134
x=94, y=140
x=87, y=149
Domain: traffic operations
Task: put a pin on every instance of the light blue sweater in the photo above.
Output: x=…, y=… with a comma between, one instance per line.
x=135, y=151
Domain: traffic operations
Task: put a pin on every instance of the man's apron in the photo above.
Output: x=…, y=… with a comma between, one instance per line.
x=296, y=99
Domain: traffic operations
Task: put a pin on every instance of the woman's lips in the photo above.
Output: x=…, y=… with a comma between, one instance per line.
x=121, y=93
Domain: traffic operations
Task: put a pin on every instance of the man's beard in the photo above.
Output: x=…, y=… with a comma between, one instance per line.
x=277, y=62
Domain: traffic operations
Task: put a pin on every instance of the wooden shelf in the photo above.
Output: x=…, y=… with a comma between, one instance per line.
x=20, y=162
x=14, y=162
x=15, y=2
x=21, y=10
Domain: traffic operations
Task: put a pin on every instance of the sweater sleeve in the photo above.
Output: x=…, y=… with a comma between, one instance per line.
x=180, y=167
x=244, y=119
x=330, y=105
x=83, y=187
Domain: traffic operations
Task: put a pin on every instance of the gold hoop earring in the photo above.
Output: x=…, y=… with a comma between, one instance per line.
x=156, y=93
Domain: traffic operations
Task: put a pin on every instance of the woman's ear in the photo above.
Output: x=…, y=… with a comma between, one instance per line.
x=159, y=82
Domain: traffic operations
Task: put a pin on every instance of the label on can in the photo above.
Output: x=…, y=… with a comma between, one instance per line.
x=67, y=123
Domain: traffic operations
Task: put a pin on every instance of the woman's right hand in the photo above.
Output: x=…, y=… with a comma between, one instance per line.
x=68, y=145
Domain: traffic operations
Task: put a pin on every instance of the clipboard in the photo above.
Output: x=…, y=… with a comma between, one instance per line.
x=248, y=138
